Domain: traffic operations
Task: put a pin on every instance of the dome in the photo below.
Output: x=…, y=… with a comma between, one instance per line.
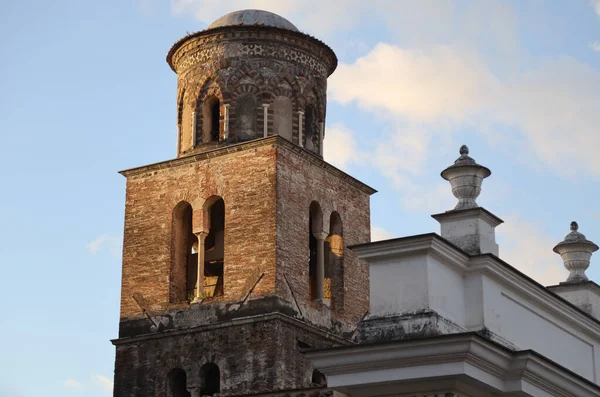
x=253, y=17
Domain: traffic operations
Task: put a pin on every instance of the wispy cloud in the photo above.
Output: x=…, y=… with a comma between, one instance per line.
x=102, y=382
x=105, y=242
x=553, y=106
x=340, y=147
x=529, y=249
x=595, y=46
x=379, y=233
x=73, y=384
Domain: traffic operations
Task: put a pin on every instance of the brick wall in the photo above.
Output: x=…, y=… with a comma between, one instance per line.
x=246, y=182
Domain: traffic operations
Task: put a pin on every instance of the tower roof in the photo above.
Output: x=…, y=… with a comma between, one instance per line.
x=253, y=17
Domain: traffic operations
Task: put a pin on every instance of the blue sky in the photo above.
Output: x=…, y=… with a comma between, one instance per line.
x=85, y=92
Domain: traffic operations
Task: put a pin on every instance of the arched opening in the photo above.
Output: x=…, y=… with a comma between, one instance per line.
x=184, y=261
x=211, y=115
x=214, y=246
x=318, y=378
x=177, y=383
x=210, y=379
x=246, y=117
x=309, y=116
x=314, y=228
x=334, y=262
x=282, y=117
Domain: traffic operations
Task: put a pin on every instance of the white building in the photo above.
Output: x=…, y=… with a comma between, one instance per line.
x=448, y=317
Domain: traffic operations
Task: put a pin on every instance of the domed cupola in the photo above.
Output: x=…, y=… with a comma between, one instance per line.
x=251, y=74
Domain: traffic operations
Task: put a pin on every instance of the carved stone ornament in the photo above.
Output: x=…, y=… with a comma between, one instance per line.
x=576, y=252
x=465, y=177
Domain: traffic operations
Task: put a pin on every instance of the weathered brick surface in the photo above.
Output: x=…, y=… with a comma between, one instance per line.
x=253, y=357
x=267, y=185
x=246, y=182
x=301, y=179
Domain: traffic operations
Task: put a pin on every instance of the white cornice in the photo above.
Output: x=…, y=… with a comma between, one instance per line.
x=404, y=246
x=437, y=357
x=500, y=270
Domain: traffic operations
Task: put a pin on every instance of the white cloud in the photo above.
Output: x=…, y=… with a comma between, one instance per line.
x=72, y=384
x=379, y=233
x=596, y=5
x=339, y=146
x=102, y=382
x=595, y=46
x=527, y=248
x=553, y=105
x=105, y=242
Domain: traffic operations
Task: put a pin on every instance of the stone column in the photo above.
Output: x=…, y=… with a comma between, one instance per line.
x=195, y=391
x=193, y=129
x=321, y=136
x=300, y=119
x=320, y=279
x=226, y=122
x=200, y=277
x=266, y=119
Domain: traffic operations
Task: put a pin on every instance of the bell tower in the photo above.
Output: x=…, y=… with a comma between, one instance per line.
x=235, y=254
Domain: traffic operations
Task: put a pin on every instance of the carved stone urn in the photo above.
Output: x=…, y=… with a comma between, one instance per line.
x=465, y=177
x=576, y=252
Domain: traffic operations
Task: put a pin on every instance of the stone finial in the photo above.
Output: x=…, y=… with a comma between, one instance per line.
x=576, y=252
x=465, y=177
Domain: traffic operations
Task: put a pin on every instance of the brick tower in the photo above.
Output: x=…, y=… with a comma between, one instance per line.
x=234, y=253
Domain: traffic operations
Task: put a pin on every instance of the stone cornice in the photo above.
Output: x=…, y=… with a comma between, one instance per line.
x=430, y=242
x=553, y=303
x=435, y=356
x=588, y=285
x=276, y=140
x=231, y=323
x=458, y=215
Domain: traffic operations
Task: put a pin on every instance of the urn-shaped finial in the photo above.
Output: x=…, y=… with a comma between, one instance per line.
x=576, y=251
x=465, y=177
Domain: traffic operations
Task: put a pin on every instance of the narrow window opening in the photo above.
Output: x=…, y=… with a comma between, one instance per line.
x=184, y=267
x=334, y=263
x=211, y=114
x=211, y=379
x=309, y=117
x=177, y=384
x=216, y=116
x=214, y=247
x=315, y=227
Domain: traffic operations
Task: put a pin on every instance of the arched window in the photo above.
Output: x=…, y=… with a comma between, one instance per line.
x=315, y=227
x=282, y=117
x=318, y=378
x=214, y=246
x=184, y=261
x=177, y=383
x=309, y=117
x=334, y=262
x=211, y=114
x=246, y=117
x=211, y=379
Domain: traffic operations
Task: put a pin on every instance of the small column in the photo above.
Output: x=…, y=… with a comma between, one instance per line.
x=193, y=129
x=321, y=137
x=266, y=119
x=226, y=122
x=194, y=391
x=320, y=279
x=300, y=120
x=200, y=277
